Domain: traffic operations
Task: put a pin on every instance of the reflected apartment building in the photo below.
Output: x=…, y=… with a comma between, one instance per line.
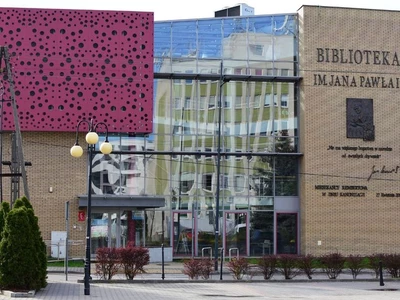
x=253, y=103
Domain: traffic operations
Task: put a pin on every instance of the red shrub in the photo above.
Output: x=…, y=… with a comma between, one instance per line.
x=239, y=267
x=267, y=265
x=195, y=268
x=107, y=264
x=133, y=259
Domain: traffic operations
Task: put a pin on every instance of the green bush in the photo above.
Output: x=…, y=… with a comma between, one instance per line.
x=17, y=253
x=23, y=262
x=37, y=240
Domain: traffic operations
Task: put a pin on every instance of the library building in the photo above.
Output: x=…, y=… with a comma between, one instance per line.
x=239, y=134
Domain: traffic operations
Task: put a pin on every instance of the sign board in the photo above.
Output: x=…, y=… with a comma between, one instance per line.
x=81, y=216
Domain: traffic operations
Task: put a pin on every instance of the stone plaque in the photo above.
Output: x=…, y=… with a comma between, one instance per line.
x=360, y=119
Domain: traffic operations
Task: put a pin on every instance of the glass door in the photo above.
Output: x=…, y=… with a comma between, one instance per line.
x=99, y=231
x=286, y=233
x=116, y=229
x=236, y=233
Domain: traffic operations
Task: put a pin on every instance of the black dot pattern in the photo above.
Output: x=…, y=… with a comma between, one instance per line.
x=70, y=65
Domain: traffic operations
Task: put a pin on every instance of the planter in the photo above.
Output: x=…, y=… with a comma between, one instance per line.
x=156, y=255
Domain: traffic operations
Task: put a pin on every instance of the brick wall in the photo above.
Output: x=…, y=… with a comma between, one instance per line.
x=52, y=166
x=351, y=225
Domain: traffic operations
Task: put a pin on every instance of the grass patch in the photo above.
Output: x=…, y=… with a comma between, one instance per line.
x=80, y=263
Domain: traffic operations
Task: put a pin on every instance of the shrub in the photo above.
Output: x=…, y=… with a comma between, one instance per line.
x=287, y=265
x=267, y=265
x=373, y=262
x=206, y=268
x=40, y=267
x=307, y=264
x=195, y=268
x=391, y=262
x=355, y=264
x=133, y=259
x=18, y=258
x=332, y=264
x=239, y=267
x=107, y=262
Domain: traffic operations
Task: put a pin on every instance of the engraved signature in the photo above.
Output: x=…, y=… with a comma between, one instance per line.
x=383, y=170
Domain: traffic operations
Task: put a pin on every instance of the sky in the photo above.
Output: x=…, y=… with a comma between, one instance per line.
x=190, y=9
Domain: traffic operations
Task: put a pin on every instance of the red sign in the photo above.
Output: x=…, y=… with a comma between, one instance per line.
x=81, y=215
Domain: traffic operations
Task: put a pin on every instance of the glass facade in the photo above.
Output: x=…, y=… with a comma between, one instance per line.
x=254, y=119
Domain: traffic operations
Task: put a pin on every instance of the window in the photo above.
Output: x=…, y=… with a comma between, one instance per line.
x=257, y=100
x=186, y=128
x=227, y=101
x=253, y=128
x=227, y=130
x=223, y=181
x=284, y=100
x=268, y=99
x=211, y=103
x=187, y=181
x=187, y=102
x=285, y=72
x=272, y=72
x=257, y=49
x=237, y=128
x=203, y=101
x=207, y=182
x=177, y=102
x=238, y=183
x=238, y=101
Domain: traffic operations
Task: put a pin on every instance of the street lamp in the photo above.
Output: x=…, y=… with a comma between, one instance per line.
x=76, y=151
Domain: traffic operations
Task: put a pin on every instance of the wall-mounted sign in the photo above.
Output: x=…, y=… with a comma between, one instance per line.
x=81, y=216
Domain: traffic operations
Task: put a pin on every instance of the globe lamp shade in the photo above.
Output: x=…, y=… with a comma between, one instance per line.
x=92, y=138
x=106, y=148
x=76, y=151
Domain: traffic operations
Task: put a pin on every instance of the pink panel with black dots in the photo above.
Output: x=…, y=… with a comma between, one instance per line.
x=70, y=65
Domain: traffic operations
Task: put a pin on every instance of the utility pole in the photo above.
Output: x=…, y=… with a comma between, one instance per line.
x=19, y=165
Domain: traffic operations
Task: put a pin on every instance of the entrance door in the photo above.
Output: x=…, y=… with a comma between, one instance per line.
x=236, y=233
x=116, y=229
x=286, y=233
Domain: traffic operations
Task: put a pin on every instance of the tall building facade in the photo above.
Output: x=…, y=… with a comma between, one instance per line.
x=271, y=133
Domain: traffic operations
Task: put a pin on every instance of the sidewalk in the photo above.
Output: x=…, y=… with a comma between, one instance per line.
x=73, y=289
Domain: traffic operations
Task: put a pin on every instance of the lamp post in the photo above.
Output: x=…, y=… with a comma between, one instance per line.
x=222, y=81
x=76, y=151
